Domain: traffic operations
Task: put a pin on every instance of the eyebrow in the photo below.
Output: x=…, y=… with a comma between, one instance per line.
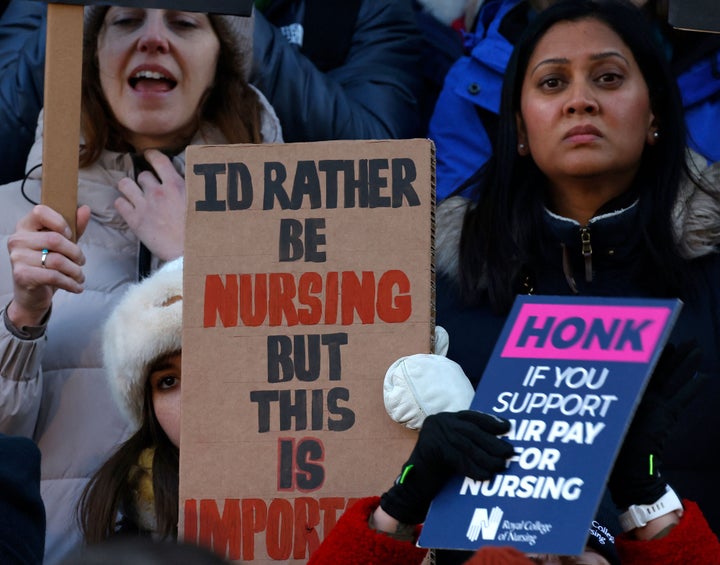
x=593, y=57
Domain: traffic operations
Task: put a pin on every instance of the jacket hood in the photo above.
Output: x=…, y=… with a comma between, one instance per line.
x=446, y=11
x=696, y=222
x=696, y=216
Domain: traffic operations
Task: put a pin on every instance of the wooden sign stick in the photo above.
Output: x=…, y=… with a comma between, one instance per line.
x=61, y=114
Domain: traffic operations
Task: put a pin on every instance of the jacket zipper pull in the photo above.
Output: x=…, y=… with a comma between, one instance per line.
x=587, y=252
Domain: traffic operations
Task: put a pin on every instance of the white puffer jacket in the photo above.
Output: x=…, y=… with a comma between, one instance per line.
x=52, y=388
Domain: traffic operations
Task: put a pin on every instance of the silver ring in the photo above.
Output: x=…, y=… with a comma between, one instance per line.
x=43, y=258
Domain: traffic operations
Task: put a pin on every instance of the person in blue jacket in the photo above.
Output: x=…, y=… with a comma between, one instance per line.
x=339, y=70
x=464, y=122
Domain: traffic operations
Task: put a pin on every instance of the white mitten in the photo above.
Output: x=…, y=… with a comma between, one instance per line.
x=419, y=385
x=442, y=341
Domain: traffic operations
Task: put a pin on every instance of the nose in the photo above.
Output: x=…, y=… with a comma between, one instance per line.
x=153, y=35
x=580, y=99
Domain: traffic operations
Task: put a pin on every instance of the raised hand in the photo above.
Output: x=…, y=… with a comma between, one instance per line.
x=154, y=206
x=44, y=259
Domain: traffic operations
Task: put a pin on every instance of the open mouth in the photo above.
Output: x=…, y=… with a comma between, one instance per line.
x=151, y=81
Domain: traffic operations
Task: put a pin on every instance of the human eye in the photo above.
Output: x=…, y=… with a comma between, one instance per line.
x=125, y=18
x=551, y=83
x=167, y=382
x=183, y=20
x=164, y=380
x=610, y=79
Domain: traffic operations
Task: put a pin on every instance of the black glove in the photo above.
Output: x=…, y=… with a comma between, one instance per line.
x=635, y=478
x=449, y=443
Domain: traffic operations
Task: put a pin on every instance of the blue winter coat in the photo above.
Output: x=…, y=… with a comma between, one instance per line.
x=373, y=94
x=700, y=90
x=470, y=99
x=22, y=57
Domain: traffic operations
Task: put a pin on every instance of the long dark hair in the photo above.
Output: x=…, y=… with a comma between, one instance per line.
x=231, y=105
x=499, y=242
x=111, y=491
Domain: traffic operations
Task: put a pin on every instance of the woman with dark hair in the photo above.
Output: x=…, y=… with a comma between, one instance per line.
x=500, y=250
x=154, y=82
x=588, y=194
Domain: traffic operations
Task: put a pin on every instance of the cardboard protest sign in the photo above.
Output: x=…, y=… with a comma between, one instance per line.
x=308, y=271
x=695, y=15
x=568, y=373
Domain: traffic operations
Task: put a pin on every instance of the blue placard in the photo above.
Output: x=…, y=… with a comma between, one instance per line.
x=568, y=372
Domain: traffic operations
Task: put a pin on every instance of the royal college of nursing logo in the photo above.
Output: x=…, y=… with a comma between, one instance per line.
x=484, y=524
x=487, y=525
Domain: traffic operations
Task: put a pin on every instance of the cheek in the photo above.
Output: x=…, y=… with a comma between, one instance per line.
x=167, y=411
x=633, y=107
x=107, y=57
x=205, y=64
x=634, y=121
x=108, y=71
x=535, y=118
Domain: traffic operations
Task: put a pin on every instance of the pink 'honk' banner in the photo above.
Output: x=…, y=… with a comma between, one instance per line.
x=593, y=333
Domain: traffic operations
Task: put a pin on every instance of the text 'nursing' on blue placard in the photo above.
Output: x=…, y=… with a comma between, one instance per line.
x=568, y=373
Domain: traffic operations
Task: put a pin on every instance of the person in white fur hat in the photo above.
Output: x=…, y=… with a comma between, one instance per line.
x=154, y=82
x=142, y=352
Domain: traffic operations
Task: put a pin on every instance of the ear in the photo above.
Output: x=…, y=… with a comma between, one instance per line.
x=523, y=146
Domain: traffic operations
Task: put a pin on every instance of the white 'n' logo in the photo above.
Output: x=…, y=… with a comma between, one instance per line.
x=483, y=524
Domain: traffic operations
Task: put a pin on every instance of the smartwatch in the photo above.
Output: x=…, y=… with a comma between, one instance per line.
x=638, y=515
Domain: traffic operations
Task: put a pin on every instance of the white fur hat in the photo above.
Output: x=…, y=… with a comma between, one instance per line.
x=145, y=325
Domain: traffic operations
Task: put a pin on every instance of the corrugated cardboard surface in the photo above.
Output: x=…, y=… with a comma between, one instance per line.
x=61, y=116
x=284, y=422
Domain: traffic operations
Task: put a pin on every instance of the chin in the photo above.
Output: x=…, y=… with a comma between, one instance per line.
x=149, y=135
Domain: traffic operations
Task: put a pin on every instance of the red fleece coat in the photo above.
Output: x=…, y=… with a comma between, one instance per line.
x=352, y=542
x=691, y=542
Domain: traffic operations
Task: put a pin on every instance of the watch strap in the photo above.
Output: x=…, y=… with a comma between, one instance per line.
x=638, y=515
